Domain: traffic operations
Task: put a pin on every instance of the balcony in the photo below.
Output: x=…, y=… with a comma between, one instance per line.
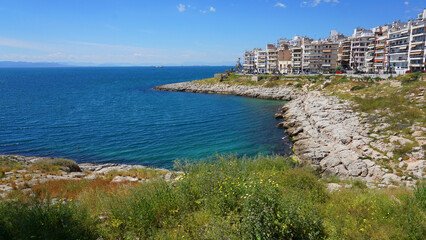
x=399, y=60
x=396, y=37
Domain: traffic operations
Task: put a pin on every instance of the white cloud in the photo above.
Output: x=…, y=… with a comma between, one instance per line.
x=406, y=3
x=14, y=43
x=181, y=7
x=278, y=4
x=212, y=9
x=314, y=3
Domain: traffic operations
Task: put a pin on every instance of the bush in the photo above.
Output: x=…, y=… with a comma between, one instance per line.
x=54, y=164
x=359, y=87
x=326, y=85
x=38, y=220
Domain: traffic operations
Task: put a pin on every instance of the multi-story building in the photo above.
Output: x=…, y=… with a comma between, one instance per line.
x=249, y=64
x=284, y=57
x=272, y=59
x=260, y=60
x=346, y=54
x=380, y=52
x=360, y=41
x=306, y=56
x=417, y=44
x=398, y=44
x=329, y=57
x=296, y=58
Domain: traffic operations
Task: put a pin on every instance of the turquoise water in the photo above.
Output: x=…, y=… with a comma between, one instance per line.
x=114, y=115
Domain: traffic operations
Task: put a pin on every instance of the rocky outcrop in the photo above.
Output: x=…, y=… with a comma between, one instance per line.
x=30, y=175
x=329, y=135
x=275, y=93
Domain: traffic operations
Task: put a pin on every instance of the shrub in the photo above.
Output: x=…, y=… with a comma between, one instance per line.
x=359, y=87
x=38, y=220
x=326, y=85
x=54, y=164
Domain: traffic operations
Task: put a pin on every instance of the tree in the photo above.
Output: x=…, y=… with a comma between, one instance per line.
x=238, y=67
x=355, y=64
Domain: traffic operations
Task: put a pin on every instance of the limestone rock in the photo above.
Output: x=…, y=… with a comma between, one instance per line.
x=118, y=179
x=333, y=187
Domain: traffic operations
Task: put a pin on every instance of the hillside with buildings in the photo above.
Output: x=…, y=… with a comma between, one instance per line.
x=392, y=48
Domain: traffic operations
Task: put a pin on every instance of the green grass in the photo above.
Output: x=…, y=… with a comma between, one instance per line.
x=55, y=164
x=226, y=197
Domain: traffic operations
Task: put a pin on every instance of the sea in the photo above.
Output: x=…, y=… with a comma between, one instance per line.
x=113, y=115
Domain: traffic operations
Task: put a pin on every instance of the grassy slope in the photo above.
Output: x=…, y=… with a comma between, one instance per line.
x=225, y=197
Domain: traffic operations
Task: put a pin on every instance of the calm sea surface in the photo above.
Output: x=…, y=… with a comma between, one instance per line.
x=114, y=115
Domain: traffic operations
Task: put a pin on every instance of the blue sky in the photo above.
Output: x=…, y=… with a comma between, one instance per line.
x=181, y=32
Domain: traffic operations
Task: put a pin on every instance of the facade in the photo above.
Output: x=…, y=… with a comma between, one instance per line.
x=330, y=52
x=296, y=58
x=284, y=58
x=380, y=51
x=272, y=59
x=360, y=41
x=417, y=48
x=248, y=65
x=346, y=54
x=398, y=43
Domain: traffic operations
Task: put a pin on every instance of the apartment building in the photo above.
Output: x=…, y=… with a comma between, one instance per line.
x=398, y=45
x=417, y=44
x=329, y=57
x=296, y=58
x=284, y=57
x=360, y=40
x=272, y=59
x=380, y=55
x=346, y=54
x=306, y=56
x=249, y=63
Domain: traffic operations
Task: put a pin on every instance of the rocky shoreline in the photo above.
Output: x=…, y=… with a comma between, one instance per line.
x=325, y=132
x=31, y=171
x=275, y=93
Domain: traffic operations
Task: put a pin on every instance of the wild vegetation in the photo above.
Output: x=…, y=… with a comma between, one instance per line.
x=267, y=197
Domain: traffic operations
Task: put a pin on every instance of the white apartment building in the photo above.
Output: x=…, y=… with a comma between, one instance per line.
x=296, y=58
x=398, y=47
x=248, y=65
x=360, y=40
x=260, y=61
x=417, y=46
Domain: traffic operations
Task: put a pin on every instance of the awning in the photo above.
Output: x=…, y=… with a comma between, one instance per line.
x=326, y=51
x=414, y=45
x=403, y=47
